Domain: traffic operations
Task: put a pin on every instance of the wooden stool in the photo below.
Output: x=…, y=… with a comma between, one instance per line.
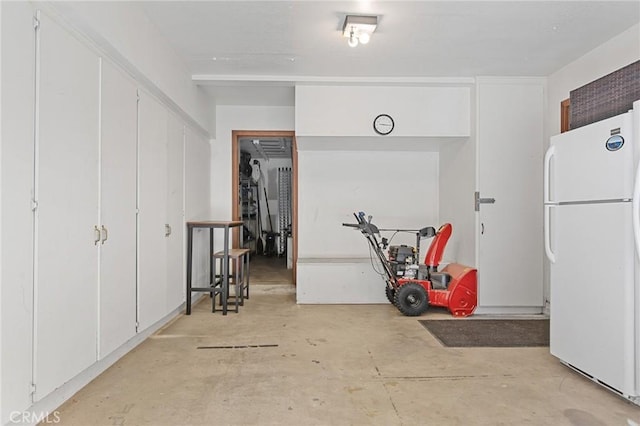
x=240, y=267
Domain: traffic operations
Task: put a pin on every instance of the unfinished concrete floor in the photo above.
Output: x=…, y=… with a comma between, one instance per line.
x=270, y=270
x=278, y=363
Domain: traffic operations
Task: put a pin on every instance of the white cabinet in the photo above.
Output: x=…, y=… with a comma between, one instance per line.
x=117, y=286
x=67, y=233
x=175, y=271
x=86, y=216
x=160, y=203
x=82, y=154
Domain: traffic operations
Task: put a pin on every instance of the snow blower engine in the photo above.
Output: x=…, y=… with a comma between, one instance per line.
x=412, y=286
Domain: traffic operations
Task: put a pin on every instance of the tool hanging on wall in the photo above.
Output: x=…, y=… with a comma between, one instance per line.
x=270, y=245
x=256, y=172
x=244, y=164
x=256, y=175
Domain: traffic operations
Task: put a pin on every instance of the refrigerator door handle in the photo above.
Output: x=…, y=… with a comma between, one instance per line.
x=547, y=172
x=636, y=211
x=547, y=234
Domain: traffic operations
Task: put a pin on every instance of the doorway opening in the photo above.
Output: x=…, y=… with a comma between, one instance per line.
x=265, y=199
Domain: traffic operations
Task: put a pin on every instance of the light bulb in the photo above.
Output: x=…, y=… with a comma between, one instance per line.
x=353, y=40
x=364, y=38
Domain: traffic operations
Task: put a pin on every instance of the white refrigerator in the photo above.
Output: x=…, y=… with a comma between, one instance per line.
x=592, y=240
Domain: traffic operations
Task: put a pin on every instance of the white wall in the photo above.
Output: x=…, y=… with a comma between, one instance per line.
x=197, y=176
x=457, y=182
x=124, y=31
x=342, y=111
x=230, y=118
x=345, y=167
x=616, y=53
x=0, y=205
x=400, y=190
x=197, y=182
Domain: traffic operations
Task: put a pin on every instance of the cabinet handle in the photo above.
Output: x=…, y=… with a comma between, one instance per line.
x=167, y=229
x=106, y=234
x=97, y=234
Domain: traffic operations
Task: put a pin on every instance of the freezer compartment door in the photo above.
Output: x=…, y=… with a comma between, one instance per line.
x=592, y=291
x=583, y=166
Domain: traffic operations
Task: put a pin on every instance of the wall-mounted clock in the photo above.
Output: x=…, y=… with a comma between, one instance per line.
x=383, y=124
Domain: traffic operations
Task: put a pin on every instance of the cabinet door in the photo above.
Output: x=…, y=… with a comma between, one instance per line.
x=66, y=267
x=175, y=213
x=152, y=202
x=117, y=209
x=16, y=168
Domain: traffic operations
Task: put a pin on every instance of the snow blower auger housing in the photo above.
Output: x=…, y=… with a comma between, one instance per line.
x=412, y=286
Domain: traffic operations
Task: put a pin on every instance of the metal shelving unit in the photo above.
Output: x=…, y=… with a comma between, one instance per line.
x=284, y=208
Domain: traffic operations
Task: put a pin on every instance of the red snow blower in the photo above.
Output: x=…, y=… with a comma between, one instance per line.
x=411, y=286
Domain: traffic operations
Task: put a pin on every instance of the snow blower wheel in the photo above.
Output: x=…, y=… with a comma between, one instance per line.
x=391, y=294
x=411, y=299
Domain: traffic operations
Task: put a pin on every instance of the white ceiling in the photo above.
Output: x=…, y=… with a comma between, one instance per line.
x=253, y=51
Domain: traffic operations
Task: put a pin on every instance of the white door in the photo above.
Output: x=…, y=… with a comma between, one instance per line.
x=117, y=209
x=152, y=205
x=66, y=269
x=175, y=213
x=592, y=292
x=510, y=250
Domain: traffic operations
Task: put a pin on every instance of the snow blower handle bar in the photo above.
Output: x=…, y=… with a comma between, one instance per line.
x=364, y=225
x=361, y=221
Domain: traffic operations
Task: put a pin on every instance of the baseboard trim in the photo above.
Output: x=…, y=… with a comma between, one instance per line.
x=508, y=310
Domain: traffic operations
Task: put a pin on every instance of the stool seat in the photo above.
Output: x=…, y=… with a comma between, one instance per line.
x=233, y=253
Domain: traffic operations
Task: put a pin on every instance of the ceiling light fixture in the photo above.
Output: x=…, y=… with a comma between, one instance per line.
x=358, y=28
